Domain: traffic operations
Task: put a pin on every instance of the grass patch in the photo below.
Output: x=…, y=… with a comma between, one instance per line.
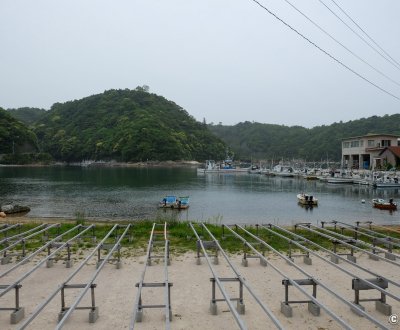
x=180, y=234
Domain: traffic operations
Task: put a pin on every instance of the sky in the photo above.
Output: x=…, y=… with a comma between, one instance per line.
x=223, y=61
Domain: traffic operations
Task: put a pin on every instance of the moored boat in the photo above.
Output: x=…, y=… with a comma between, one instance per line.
x=306, y=199
x=183, y=202
x=173, y=202
x=254, y=169
x=284, y=171
x=387, y=183
x=14, y=209
x=340, y=177
x=168, y=202
x=384, y=205
x=225, y=166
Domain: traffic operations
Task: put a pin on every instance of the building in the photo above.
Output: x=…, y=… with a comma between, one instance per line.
x=365, y=152
x=390, y=155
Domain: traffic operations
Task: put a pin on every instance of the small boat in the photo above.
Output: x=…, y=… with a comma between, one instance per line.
x=384, y=205
x=254, y=169
x=183, y=202
x=340, y=177
x=387, y=183
x=340, y=180
x=284, y=171
x=225, y=166
x=172, y=202
x=14, y=209
x=306, y=199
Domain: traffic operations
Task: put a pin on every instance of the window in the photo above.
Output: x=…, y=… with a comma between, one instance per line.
x=371, y=143
x=386, y=143
x=346, y=144
x=355, y=144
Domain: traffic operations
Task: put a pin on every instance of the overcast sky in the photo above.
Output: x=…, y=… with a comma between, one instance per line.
x=226, y=61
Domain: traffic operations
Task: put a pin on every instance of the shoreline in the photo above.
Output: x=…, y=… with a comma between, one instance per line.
x=168, y=163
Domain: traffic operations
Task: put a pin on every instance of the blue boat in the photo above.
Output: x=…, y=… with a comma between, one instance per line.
x=172, y=202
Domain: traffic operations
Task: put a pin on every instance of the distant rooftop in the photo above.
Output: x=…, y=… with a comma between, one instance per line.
x=395, y=151
x=371, y=135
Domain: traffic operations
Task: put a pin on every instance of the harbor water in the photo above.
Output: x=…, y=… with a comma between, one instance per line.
x=133, y=193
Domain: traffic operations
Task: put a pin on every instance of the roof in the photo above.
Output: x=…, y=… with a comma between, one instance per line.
x=394, y=150
x=371, y=135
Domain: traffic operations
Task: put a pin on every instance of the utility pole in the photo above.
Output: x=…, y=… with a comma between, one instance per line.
x=13, y=145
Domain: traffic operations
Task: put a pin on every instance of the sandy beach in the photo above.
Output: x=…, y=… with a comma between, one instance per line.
x=115, y=293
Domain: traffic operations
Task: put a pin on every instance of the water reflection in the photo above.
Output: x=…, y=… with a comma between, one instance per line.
x=133, y=193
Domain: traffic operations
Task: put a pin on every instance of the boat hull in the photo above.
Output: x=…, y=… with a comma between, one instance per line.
x=386, y=185
x=222, y=170
x=309, y=200
x=340, y=180
x=383, y=205
x=386, y=206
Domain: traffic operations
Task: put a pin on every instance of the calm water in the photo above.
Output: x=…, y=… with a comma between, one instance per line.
x=132, y=193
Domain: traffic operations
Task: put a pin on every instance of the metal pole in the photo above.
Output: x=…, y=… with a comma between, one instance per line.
x=70, y=277
x=90, y=284
x=243, y=281
x=337, y=318
x=355, y=246
x=234, y=312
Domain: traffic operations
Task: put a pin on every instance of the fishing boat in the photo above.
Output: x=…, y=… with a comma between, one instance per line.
x=254, y=169
x=387, y=183
x=173, y=202
x=384, y=205
x=341, y=177
x=342, y=180
x=183, y=202
x=306, y=199
x=284, y=171
x=14, y=209
x=225, y=166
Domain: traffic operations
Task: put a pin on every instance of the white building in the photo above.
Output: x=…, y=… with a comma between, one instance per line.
x=362, y=152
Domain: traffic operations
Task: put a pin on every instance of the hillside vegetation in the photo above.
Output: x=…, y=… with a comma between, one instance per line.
x=266, y=141
x=125, y=125
x=15, y=137
x=135, y=125
x=27, y=115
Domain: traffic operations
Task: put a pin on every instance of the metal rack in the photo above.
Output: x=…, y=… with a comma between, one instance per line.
x=238, y=278
x=365, y=284
x=137, y=315
x=284, y=310
x=93, y=309
x=18, y=311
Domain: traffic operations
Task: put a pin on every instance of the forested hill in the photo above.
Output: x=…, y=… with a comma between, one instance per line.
x=125, y=125
x=266, y=141
x=135, y=125
x=27, y=115
x=15, y=137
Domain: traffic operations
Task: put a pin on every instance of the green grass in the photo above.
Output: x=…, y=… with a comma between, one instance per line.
x=180, y=235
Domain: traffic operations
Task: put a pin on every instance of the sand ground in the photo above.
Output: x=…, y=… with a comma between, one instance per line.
x=115, y=293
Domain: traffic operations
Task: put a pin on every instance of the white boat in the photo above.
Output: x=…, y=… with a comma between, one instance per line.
x=254, y=169
x=283, y=171
x=340, y=176
x=340, y=180
x=387, y=182
x=307, y=199
x=225, y=166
